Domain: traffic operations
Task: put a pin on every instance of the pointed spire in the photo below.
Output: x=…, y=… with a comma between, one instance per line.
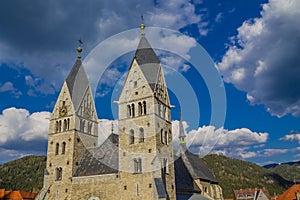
x=142, y=26
x=181, y=131
x=79, y=49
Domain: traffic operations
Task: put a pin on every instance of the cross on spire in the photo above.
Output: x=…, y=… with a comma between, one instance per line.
x=142, y=25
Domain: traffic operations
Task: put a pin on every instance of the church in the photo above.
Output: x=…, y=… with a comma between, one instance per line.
x=137, y=162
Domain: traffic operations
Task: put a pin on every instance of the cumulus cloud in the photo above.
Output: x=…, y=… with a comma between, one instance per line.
x=19, y=124
x=233, y=143
x=293, y=136
x=262, y=59
x=22, y=133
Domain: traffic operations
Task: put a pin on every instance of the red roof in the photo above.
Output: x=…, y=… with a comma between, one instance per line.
x=16, y=195
x=290, y=194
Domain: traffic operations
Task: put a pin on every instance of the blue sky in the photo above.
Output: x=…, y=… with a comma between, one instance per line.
x=253, y=44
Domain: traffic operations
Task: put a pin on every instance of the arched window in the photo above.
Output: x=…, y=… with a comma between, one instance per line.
x=144, y=107
x=132, y=110
x=140, y=109
x=162, y=136
x=131, y=137
x=59, y=126
x=56, y=126
x=166, y=137
x=141, y=135
x=90, y=127
x=128, y=111
x=164, y=112
x=63, y=148
x=166, y=166
x=58, y=174
x=56, y=149
x=65, y=125
x=68, y=125
x=159, y=109
x=137, y=165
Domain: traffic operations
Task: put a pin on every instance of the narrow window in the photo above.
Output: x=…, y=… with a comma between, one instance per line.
x=141, y=135
x=131, y=137
x=135, y=84
x=166, y=137
x=137, y=190
x=59, y=126
x=56, y=149
x=162, y=136
x=137, y=165
x=132, y=110
x=128, y=111
x=56, y=126
x=65, y=125
x=140, y=109
x=58, y=174
x=68, y=124
x=63, y=148
x=144, y=107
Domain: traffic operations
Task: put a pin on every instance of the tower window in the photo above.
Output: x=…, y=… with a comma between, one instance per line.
x=56, y=149
x=144, y=107
x=141, y=135
x=128, y=111
x=132, y=110
x=131, y=137
x=59, y=126
x=135, y=84
x=137, y=164
x=65, y=125
x=58, y=174
x=68, y=124
x=63, y=148
x=137, y=190
x=56, y=126
x=166, y=137
x=140, y=108
x=162, y=136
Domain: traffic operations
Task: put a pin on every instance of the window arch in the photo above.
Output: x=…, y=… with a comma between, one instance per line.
x=56, y=126
x=141, y=135
x=162, y=136
x=68, y=124
x=144, y=107
x=63, y=148
x=56, y=149
x=58, y=174
x=166, y=137
x=65, y=125
x=132, y=110
x=128, y=111
x=137, y=164
x=140, y=108
x=131, y=137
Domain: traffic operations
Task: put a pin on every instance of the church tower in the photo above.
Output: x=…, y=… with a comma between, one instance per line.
x=146, y=162
x=73, y=128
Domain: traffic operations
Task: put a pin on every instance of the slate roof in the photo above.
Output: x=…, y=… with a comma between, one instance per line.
x=77, y=83
x=196, y=167
x=160, y=188
x=148, y=61
x=100, y=160
x=183, y=179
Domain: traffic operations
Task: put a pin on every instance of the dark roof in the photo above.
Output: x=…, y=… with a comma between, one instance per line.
x=183, y=179
x=77, y=83
x=148, y=61
x=197, y=167
x=101, y=160
x=190, y=197
x=160, y=188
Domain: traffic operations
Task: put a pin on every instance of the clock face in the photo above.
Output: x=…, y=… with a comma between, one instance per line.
x=63, y=111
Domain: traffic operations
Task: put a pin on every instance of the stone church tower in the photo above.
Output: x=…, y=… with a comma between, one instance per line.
x=73, y=127
x=146, y=162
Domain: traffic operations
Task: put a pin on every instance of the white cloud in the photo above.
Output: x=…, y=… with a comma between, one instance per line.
x=273, y=152
x=19, y=124
x=232, y=143
x=263, y=59
x=9, y=87
x=292, y=137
